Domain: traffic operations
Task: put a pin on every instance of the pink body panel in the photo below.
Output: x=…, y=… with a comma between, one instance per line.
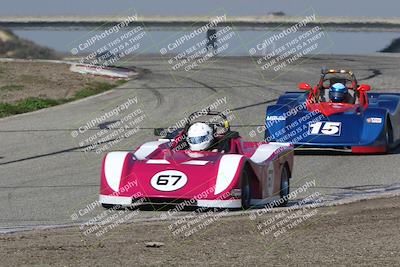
x=208, y=175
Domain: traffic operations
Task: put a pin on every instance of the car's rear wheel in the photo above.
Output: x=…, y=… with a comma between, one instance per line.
x=246, y=190
x=285, y=186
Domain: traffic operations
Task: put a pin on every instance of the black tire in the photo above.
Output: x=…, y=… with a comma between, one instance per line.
x=107, y=206
x=246, y=190
x=388, y=136
x=285, y=186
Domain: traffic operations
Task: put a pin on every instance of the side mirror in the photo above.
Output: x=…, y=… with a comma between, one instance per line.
x=305, y=86
x=364, y=87
x=160, y=132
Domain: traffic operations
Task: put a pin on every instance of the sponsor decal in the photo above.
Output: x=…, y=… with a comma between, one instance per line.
x=374, y=120
x=195, y=155
x=337, y=106
x=276, y=118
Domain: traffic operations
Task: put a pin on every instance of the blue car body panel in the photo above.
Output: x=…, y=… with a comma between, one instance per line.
x=290, y=121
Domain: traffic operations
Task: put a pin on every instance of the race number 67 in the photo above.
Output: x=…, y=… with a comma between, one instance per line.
x=165, y=179
x=325, y=128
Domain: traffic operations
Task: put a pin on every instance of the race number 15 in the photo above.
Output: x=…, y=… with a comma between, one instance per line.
x=325, y=128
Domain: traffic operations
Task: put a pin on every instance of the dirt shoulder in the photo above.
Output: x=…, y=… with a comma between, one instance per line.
x=19, y=80
x=362, y=233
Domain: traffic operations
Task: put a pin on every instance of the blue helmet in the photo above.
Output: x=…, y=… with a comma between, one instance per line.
x=337, y=92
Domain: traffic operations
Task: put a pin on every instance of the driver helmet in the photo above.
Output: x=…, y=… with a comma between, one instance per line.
x=200, y=136
x=337, y=92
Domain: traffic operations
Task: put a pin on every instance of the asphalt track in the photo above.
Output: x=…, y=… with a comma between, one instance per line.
x=46, y=176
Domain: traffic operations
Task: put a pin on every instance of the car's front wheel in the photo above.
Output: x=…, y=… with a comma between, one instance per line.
x=388, y=136
x=107, y=206
x=246, y=190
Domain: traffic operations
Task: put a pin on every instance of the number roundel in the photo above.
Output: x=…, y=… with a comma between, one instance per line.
x=170, y=180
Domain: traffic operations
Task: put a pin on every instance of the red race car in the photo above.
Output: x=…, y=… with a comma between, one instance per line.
x=231, y=174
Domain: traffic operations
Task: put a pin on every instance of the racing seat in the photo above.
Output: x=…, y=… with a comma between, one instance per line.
x=349, y=99
x=223, y=143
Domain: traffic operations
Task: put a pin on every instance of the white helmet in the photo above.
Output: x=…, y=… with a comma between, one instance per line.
x=199, y=136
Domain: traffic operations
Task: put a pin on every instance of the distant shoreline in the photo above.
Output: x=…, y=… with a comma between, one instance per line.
x=245, y=22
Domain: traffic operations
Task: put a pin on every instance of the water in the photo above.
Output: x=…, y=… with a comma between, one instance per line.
x=239, y=44
x=332, y=42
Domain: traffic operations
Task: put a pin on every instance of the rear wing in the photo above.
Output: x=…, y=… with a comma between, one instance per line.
x=167, y=133
x=325, y=71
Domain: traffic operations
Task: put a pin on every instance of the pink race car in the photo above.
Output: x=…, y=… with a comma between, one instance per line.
x=234, y=174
